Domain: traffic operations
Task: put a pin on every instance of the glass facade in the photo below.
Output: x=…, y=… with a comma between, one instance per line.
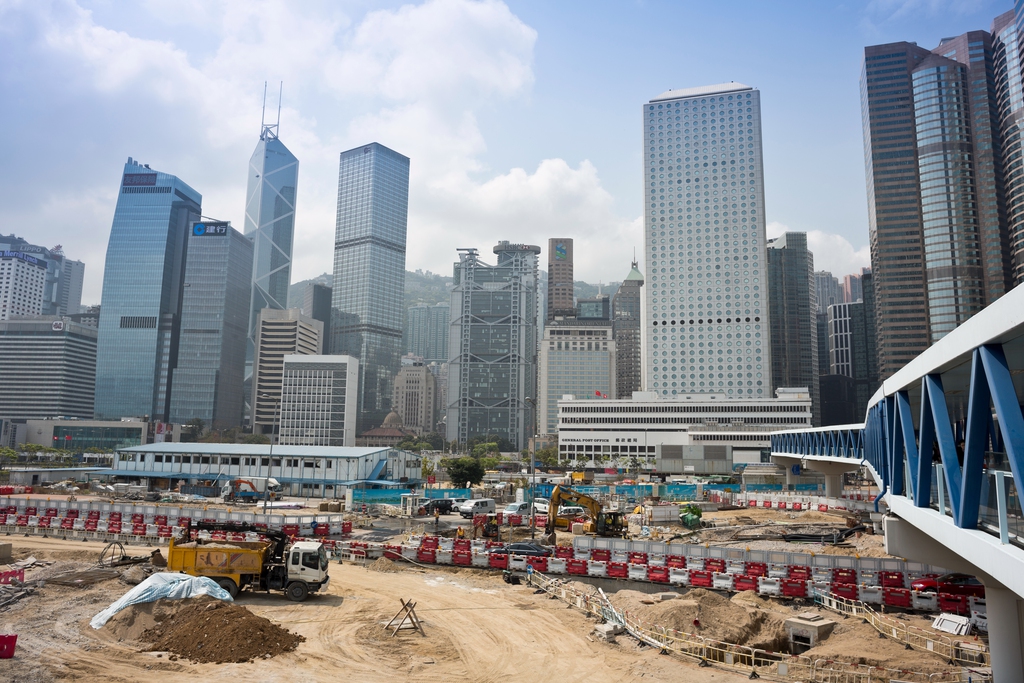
x=270, y=224
x=493, y=345
x=704, y=234
x=426, y=332
x=578, y=358
x=369, y=272
x=208, y=382
x=626, y=306
x=80, y=439
x=142, y=286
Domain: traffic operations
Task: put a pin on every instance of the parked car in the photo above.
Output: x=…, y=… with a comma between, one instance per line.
x=541, y=505
x=442, y=505
x=572, y=511
x=477, y=506
x=531, y=549
x=953, y=583
x=517, y=509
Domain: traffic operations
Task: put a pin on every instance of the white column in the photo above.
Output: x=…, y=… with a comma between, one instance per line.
x=1004, y=634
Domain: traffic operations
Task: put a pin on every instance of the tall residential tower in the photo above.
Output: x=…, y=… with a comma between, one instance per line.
x=704, y=234
x=369, y=272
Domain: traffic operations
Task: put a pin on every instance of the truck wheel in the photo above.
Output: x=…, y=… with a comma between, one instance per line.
x=230, y=586
x=297, y=591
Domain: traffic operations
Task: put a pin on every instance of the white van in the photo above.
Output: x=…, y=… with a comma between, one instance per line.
x=517, y=509
x=477, y=506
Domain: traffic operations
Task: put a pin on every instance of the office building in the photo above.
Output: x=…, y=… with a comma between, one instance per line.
x=316, y=303
x=369, y=271
x=209, y=380
x=22, y=282
x=415, y=396
x=426, y=331
x=142, y=287
x=47, y=368
x=707, y=272
x=626, y=306
x=560, y=293
x=706, y=433
x=279, y=333
x=319, y=400
x=90, y=316
x=577, y=356
x=62, y=291
x=792, y=324
x=827, y=290
x=107, y=435
x=942, y=250
x=270, y=223
x=852, y=292
x=492, y=369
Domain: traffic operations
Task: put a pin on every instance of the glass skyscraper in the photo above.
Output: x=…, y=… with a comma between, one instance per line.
x=270, y=224
x=142, y=286
x=208, y=382
x=369, y=272
x=704, y=234
x=426, y=332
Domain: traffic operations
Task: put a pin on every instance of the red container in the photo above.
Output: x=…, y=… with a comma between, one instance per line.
x=497, y=561
x=896, y=597
x=564, y=552
x=675, y=561
x=637, y=558
x=7, y=645
x=755, y=569
x=538, y=563
x=601, y=554
x=891, y=579
x=953, y=603
x=744, y=583
x=794, y=588
x=657, y=574
x=844, y=575
x=799, y=572
x=845, y=590
x=578, y=567
x=462, y=558
x=714, y=564
x=428, y=555
x=618, y=570
x=701, y=578
x=346, y=527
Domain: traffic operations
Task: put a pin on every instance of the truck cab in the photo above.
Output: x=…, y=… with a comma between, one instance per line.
x=307, y=569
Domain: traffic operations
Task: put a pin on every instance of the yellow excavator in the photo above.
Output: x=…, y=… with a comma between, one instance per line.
x=601, y=523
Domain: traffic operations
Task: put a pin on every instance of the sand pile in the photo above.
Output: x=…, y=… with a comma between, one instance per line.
x=202, y=630
x=859, y=643
x=708, y=614
x=383, y=565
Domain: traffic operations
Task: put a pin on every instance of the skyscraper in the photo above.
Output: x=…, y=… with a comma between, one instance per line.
x=426, y=332
x=208, y=382
x=270, y=223
x=792, y=323
x=22, y=282
x=142, y=286
x=827, y=291
x=560, y=278
x=318, y=400
x=279, y=333
x=704, y=234
x=369, y=272
x=626, y=306
x=941, y=250
x=577, y=356
x=62, y=291
x=493, y=345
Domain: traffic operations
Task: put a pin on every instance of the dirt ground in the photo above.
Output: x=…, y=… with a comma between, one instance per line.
x=477, y=629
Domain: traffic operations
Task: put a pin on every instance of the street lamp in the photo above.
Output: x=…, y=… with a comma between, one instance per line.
x=533, y=475
x=270, y=456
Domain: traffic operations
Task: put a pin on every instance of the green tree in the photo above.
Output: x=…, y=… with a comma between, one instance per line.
x=482, y=449
x=462, y=470
x=428, y=468
x=255, y=438
x=435, y=440
x=548, y=456
x=490, y=463
x=194, y=429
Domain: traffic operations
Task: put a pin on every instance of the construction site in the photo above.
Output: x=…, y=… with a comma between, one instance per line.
x=732, y=587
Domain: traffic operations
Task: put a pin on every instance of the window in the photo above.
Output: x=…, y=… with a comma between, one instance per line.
x=311, y=560
x=158, y=458
x=295, y=557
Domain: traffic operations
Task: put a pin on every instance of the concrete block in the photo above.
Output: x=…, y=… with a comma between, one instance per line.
x=806, y=630
x=5, y=553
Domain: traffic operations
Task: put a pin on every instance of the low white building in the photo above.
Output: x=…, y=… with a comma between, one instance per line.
x=595, y=432
x=322, y=471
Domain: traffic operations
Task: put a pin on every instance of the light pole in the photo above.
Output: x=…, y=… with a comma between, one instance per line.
x=533, y=475
x=270, y=456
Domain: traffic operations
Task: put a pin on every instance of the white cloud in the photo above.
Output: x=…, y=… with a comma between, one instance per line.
x=832, y=252
x=414, y=78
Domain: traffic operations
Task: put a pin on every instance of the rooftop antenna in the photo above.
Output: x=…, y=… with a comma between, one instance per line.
x=270, y=129
x=263, y=115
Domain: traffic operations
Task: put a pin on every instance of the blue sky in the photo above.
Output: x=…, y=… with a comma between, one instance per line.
x=522, y=120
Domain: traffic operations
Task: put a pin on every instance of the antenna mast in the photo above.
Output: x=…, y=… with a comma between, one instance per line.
x=270, y=129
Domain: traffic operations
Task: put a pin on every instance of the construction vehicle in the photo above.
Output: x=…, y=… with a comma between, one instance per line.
x=251, y=489
x=272, y=565
x=601, y=523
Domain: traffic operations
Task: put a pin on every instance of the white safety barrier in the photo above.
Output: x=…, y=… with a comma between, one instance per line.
x=821, y=574
x=722, y=582
x=442, y=556
x=517, y=562
x=620, y=556
x=481, y=559
x=581, y=554
x=735, y=566
x=768, y=586
x=637, y=572
x=656, y=560
x=868, y=577
x=778, y=571
x=678, y=576
x=556, y=565
x=928, y=601
x=870, y=594
x=597, y=568
x=409, y=552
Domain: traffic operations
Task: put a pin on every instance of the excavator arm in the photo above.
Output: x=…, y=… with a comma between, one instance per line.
x=279, y=539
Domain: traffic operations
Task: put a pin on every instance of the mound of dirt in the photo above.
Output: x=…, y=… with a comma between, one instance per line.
x=708, y=614
x=202, y=630
x=859, y=643
x=383, y=565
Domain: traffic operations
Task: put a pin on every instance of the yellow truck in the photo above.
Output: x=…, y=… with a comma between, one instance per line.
x=297, y=569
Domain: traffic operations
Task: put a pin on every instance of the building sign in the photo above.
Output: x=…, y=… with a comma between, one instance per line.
x=57, y=326
x=560, y=252
x=22, y=256
x=210, y=229
x=139, y=179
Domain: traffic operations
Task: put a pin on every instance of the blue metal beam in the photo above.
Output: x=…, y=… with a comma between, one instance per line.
x=1007, y=409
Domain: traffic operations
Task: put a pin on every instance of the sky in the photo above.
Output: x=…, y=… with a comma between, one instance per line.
x=522, y=120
